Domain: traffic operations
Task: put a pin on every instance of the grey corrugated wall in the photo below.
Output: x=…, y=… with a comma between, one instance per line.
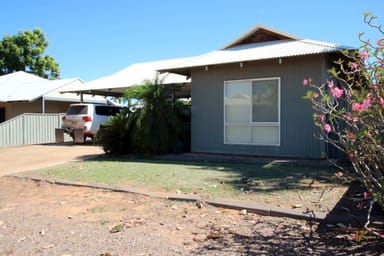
x=296, y=124
x=30, y=128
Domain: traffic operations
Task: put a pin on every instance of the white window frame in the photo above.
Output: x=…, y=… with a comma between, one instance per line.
x=252, y=124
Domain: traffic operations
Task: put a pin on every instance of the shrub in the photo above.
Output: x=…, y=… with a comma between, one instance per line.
x=114, y=133
x=350, y=110
x=158, y=119
x=155, y=124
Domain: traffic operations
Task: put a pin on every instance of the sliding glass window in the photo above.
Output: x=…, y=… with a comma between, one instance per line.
x=252, y=111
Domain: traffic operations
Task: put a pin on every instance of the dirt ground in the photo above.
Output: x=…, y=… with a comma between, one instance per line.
x=38, y=218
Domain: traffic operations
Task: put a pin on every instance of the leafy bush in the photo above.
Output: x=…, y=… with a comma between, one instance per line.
x=155, y=124
x=114, y=133
x=350, y=110
x=158, y=119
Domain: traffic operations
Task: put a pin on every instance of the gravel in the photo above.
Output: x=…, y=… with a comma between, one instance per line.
x=37, y=218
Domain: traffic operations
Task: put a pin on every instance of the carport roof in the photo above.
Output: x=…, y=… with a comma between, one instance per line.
x=135, y=74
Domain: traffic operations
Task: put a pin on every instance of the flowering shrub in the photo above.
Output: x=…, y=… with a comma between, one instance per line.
x=349, y=109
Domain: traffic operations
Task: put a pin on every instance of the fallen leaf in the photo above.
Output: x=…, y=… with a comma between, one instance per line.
x=22, y=239
x=48, y=246
x=42, y=232
x=243, y=212
x=215, y=235
x=297, y=206
x=106, y=254
x=199, y=204
x=117, y=228
x=345, y=209
x=341, y=225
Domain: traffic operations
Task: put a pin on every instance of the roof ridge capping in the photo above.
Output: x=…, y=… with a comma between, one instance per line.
x=327, y=44
x=259, y=33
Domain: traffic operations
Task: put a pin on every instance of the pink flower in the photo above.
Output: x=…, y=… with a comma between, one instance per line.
x=364, y=55
x=336, y=92
x=348, y=116
x=354, y=66
x=339, y=174
x=366, y=104
x=363, y=106
x=381, y=101
x=330, y=84
x=327, y=128
x=305, y=82
x=366, y=195
x=315, y=95
x=357, y=107
x=322, y=118
x=351, y=137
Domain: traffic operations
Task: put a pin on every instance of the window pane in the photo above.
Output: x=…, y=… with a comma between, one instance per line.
x=77, y=110
x=265, y=101
x=237, y=134
x=268, y=135
x=237, y=101
x=107, y=110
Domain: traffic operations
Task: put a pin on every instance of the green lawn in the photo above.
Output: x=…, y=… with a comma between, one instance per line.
x=232, y=180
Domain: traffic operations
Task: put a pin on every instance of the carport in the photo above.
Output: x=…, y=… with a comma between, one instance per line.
x=115, y=85
x=134, y=75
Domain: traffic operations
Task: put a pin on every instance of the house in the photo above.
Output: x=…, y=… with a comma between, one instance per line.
x=247, y=97
x=21, y=92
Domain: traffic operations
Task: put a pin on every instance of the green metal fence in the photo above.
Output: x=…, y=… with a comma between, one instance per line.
x=30, y=128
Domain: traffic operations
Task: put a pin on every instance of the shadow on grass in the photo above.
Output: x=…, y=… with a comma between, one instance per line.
x=271, y=175
x=249, y=174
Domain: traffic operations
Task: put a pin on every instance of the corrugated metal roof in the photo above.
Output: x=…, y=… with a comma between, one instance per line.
x=22, y=86
x=258, y=51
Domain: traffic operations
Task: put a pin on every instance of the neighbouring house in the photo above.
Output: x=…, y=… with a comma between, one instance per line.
x=21, y=92
x=247, y=97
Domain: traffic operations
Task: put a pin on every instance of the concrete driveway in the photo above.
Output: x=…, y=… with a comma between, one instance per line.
x=26, y=158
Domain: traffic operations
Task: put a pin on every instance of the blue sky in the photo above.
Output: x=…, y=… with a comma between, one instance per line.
x=94, y=38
